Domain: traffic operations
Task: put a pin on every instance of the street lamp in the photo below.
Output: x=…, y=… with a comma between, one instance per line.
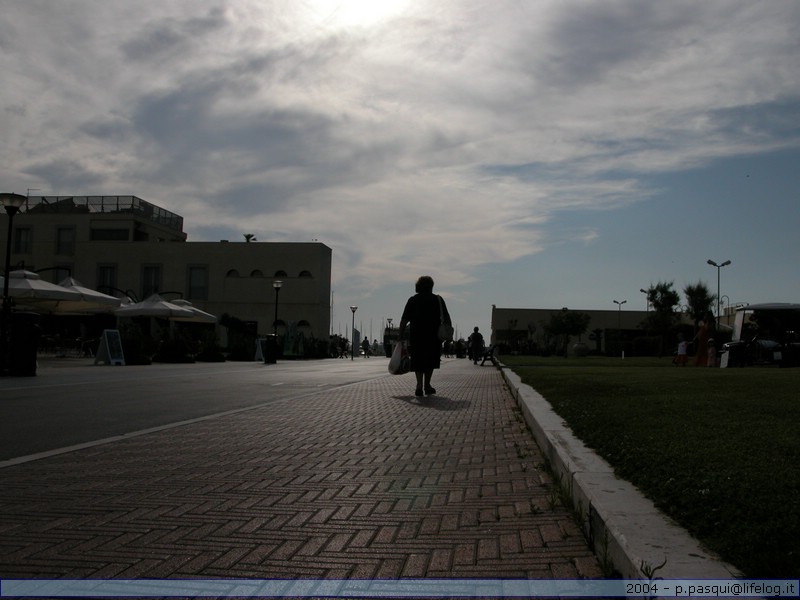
x=647, y=300
x=719, y=268
x=277, y=285
x=353, y=333
x=619, y=324
x=12, y=204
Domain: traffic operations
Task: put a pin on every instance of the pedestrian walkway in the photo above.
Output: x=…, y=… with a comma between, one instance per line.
x=358, y=482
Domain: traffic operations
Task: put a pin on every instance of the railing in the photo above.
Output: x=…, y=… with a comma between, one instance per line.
x=103, y=204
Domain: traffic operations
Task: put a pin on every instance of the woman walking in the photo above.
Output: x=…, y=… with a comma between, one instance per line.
x=425, y=311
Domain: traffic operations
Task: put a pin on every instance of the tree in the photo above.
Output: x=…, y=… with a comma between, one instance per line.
x=567, y=323
x=249, y=237
x=661, y=320
x=699, y=300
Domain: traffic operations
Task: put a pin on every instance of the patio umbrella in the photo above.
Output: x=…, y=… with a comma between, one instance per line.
x=27, y=288
x=155, y=306
x=200, y=316
x=91, y=301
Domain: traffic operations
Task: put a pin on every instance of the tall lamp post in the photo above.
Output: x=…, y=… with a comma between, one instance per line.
x=277, y=285
x=12, y=204
x=719, y=268
x=619, y=324
x=647, y=299
x=353, y=334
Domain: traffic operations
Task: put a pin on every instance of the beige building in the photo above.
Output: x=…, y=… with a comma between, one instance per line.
x=123, y=244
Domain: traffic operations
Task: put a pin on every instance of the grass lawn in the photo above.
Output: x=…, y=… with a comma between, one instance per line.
x=716, y=449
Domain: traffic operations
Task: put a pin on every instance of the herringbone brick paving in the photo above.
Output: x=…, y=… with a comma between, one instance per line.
x=362, y=481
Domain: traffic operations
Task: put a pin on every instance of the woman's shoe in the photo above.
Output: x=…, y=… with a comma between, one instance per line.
x=430, y=391
x=418, y=392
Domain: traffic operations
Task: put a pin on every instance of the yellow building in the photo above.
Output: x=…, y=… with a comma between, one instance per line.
x=123, y=244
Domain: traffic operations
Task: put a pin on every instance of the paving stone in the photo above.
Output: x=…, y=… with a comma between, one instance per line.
x=360, y=481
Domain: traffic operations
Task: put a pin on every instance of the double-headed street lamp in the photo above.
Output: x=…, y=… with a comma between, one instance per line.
x=719, y=268
x=12, y=203
x=353, y=333
x=619, y=324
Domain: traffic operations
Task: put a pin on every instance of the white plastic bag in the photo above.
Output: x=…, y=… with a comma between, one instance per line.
x=400, y=362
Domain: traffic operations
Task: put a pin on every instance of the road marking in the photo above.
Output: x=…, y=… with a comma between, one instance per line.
x=118, y=438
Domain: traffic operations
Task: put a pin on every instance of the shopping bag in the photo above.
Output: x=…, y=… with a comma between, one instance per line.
x=446, y=331
x=400, y=362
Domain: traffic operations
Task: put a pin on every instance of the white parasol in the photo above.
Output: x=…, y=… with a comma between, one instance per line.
x=28, y=288
x=200, y=316
x=154, y=306
x=91, y=301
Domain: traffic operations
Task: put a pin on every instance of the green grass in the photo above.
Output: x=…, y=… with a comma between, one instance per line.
x=716, y=449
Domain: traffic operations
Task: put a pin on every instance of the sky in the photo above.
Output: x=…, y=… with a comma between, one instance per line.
x=523, y=153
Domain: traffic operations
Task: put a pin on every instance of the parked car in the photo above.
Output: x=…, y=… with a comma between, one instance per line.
x=764, y=334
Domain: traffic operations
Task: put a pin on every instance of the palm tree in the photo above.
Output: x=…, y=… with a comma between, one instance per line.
x=699, y=300
x=661, y=320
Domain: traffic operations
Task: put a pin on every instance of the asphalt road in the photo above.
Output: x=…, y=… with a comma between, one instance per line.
x=64, y=406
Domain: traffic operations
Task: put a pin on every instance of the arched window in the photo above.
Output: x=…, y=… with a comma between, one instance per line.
x=280, y=273
x=303, y=323
x=232, y=273
x=305, y=274
x=257, y=273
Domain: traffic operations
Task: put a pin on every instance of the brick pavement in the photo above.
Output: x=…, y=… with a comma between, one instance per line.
x=362, y=481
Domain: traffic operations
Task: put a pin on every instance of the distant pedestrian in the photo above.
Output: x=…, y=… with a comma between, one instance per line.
x=475, y=345
x=703, y=334
x=424, y=311
x=365, y=347
x=681, y=357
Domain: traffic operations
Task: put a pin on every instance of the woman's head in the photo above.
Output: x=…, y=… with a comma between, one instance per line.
x=424, y=284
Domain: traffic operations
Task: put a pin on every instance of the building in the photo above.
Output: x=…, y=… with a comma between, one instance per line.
x=609, y=331
x=125, y=245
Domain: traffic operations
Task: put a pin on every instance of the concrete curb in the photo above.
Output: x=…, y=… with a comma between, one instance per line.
x=625, y=529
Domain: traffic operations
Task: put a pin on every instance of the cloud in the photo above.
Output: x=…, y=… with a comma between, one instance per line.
x=447, y=134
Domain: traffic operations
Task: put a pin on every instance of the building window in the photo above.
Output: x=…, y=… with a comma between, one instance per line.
x=256, y=273
x=280, y=273
x=305, y=274
x=107, y=278
x=65, y=241
x=151, y=280
x=197, y=283
x=23, y=240
x=232, y=273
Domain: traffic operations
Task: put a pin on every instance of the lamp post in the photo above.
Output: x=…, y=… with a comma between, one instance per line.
x=12, y=204
x=619, y=324
x=277, y=285
x=353, y=333
x=719, y=268
x=647, y=299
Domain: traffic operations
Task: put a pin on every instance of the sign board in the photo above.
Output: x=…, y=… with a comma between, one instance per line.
x=110, y=350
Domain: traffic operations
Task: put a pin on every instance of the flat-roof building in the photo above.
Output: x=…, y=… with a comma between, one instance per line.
x=123, y=244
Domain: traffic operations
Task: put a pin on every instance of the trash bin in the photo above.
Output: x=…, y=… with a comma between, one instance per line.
x=24, y=343
x=270, y=349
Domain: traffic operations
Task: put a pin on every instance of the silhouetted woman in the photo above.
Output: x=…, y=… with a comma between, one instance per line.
x=423, y=312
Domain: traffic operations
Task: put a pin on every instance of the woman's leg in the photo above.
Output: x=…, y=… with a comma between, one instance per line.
x=428, y=375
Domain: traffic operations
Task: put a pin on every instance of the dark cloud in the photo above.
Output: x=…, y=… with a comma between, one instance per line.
x=584, y=45
x=769, y=120
x=65, y=174
x=171, y=36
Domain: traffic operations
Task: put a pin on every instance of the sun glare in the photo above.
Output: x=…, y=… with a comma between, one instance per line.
x=353, y=13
